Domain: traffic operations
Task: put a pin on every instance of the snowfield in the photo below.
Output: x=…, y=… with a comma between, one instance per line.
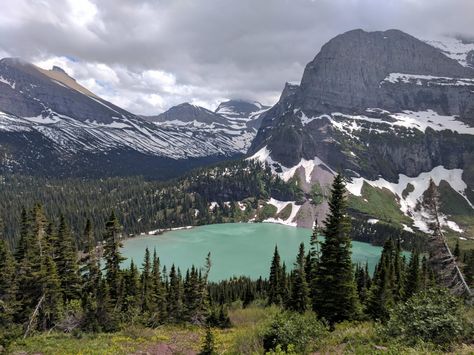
x=419, y=120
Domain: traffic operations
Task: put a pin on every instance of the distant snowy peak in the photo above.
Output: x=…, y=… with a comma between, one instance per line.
x=234, y=123
x=458, y=49
x=240, y=109
x=187, y=112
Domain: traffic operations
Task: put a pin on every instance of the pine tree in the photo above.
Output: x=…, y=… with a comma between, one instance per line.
x=174, y=298
x=65, y=257
x=29, y=264
x=381, y=295
x=90, y=268
x=8, y=285
x=413, y=283
x=20, y=252
x=208, y=344
x=131, y=294
x=146, y=283
x=113, y=258
x=51, y=291
x=299, y=289
x=159, y=310
x=335, y=297
x=275, y=286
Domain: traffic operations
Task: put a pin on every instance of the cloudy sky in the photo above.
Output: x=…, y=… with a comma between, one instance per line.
x=148, y=55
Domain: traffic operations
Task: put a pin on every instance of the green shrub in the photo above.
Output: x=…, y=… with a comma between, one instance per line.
x=298, y=330
x=434, y=316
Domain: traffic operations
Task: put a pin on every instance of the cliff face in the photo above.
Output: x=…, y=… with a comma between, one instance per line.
x=350, y=74
x=374, y=104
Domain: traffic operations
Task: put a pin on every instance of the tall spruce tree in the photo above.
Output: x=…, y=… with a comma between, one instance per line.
x=113, y=258
x=381, y=295
x=275, y=282
x=90, y=267
x=159, y=308
x=146, y=283
x=131, y=294
x=413, y=281
x=174, y=297
x=8, y=285
x=65, y=257
x=336, y=297
x=299, y=300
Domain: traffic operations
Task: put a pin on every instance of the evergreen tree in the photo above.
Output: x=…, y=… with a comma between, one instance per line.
x=299, y=289
x=8, y=285
x=275, y=286
x=30, y=263
x=413, y=283
x=146, y=283
x=113, y=258
x=65, y=257
x=90, y=268
x=381, y=295
x=51, y=292
x=21, y=248
x=208, y=344
x=174, y=298
x=335, y=297
x=159, y=309
x=131, y=294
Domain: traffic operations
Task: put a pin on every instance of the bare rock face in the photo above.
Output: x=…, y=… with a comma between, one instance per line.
x=348, y=74
x=345, y=110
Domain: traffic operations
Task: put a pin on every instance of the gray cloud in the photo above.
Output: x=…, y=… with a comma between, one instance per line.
x=148, y=55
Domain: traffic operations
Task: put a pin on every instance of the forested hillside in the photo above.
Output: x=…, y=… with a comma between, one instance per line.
x=143, y=205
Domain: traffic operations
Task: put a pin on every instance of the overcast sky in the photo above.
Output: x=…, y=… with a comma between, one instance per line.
x=148, y=55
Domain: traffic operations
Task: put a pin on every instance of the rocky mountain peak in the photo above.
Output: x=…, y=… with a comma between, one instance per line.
x=347, y=73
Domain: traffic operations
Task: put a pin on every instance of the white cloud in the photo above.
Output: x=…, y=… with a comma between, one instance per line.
x=199, y=51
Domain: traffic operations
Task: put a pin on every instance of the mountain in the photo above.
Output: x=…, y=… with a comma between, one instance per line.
x=51, y=125
x=233, y=125
x=389, y=111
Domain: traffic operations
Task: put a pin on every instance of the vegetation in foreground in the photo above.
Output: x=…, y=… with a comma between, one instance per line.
x=45, y=290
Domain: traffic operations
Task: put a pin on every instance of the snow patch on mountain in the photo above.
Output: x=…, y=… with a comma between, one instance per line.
x=8, y=82
x=410, y=190
x=454, y=48
x=280, y=205
x=426, y=80
x=286, y=173
x=419, y=120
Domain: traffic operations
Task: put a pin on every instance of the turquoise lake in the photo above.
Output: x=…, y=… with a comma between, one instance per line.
x=236, y=248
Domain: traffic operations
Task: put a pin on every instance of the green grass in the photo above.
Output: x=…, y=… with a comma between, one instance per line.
x=380, y=204
x=245, y=337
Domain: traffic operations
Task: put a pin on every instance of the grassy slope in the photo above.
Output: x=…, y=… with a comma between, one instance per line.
x=380, y=204
x=243, y=338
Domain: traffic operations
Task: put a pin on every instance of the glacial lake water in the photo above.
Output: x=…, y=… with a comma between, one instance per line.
x=236, y=248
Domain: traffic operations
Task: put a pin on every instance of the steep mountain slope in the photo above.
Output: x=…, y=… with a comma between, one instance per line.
x=386, y=109
x=51, y=125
